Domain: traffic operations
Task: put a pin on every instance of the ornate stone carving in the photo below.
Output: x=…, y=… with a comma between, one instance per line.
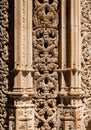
x=45, y=13
x=86, y=58
x=45, y=61
x=46, y=114
x=11, y=119
x=68, y=113
x=24, y=114
x=45, y=42
x=4, y=40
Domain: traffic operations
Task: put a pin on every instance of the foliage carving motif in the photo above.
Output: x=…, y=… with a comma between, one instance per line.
x=45, y=61
x=45, y=13
x=45, y=41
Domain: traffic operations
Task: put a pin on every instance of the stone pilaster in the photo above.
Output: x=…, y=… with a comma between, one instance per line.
x=70, y=69
x=22, y=117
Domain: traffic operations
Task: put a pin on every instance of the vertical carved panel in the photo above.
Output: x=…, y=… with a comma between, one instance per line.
x=45, y=60
x=4, y=40
x=46, y=115
x=86, y=58
x=45, y=42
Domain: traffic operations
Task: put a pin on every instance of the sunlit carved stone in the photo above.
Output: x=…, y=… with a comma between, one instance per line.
x=4, y=59
x=45, y=65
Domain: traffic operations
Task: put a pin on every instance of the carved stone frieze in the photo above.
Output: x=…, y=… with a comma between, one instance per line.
x=4, y=57
x=86, y=58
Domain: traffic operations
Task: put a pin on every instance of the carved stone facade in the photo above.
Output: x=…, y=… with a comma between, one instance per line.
x=4, y=57
x=86, y=59
x=45, y=55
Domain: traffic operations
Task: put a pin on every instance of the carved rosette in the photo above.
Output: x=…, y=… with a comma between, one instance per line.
x=4, y=40
x=45, y=61
x=86, y=58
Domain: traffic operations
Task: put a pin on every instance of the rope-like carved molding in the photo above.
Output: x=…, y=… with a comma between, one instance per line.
x=45, y=61
x=86, y=59
x=4, y=40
